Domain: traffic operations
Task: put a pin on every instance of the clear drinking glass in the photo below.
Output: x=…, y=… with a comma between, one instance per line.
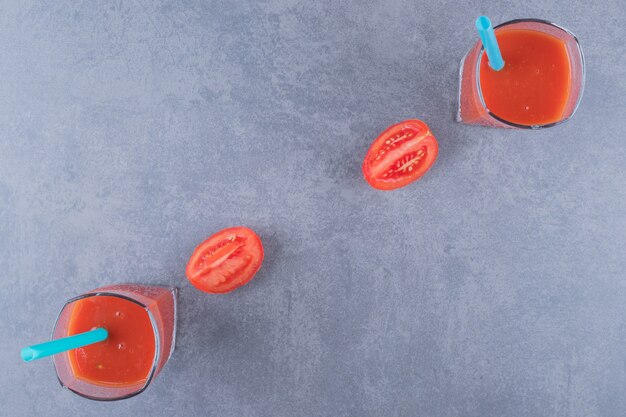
x=472, y=108
x=158, y=302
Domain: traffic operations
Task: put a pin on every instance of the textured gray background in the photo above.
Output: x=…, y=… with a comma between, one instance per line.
x=132, y=130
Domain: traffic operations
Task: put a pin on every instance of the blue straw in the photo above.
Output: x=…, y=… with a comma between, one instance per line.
x=61, y=345
x=488, y=37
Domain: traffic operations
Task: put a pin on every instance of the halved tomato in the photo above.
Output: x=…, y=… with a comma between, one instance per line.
x=225, y=261
x=400, y=155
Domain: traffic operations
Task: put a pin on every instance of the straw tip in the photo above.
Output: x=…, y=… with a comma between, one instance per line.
x=483, y=23
x=27, y=354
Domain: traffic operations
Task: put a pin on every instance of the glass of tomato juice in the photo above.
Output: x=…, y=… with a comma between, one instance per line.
x=540, y=85
x=141, y=322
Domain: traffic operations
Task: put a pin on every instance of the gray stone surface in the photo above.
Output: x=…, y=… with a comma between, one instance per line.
x=131, y=130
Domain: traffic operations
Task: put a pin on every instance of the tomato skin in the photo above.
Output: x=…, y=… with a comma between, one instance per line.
x=403, y=153
x=225, y=261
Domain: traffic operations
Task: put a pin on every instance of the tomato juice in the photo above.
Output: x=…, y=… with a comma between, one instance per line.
x=534, y=85
x=127, y=356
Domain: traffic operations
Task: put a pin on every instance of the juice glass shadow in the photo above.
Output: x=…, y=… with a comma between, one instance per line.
x=141, y=321
x=544, y=72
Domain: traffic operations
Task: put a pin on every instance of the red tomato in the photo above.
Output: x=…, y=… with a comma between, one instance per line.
x=225, y=261
x=400, y=155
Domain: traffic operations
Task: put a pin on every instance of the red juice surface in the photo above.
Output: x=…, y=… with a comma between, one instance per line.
x=127, y=356
x=534, y=85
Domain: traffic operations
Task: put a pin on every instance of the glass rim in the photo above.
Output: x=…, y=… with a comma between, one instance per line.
x=582, y=84
x=157, y=350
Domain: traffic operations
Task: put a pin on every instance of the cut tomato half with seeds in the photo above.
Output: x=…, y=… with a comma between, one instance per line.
x=226, y=260
x=400, y=155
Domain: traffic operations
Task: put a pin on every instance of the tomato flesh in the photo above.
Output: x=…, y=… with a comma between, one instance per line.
x=225, y=261
x=400, y=155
